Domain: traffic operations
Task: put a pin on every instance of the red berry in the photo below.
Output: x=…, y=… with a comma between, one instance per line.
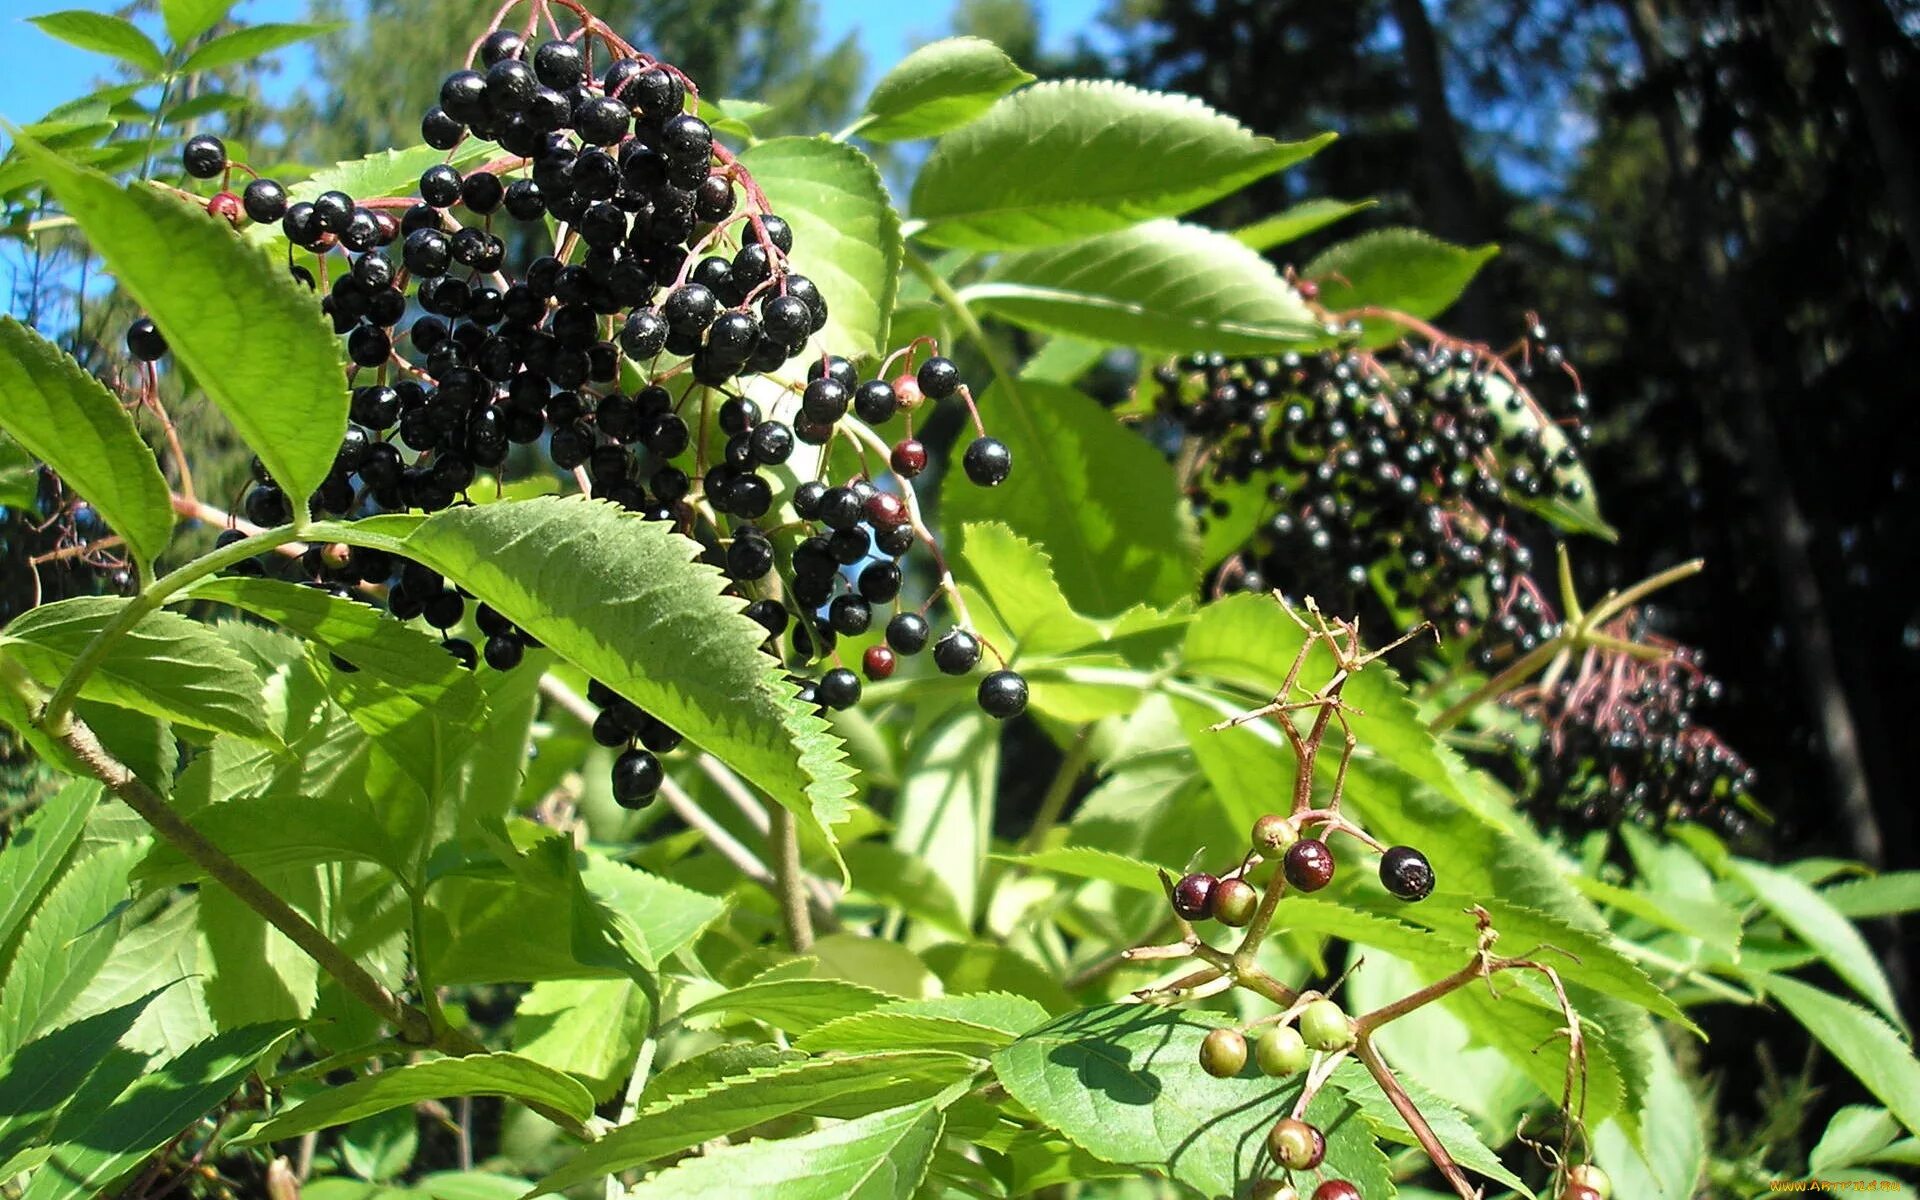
x=907, y=389
x=909, y=457
x=885, y=511
x=225, y=205
x=1193, y=896
x=1336, y=1189
x=1309, y=865
x=878, y=662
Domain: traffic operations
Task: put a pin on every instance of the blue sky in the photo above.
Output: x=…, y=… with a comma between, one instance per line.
x=42, y=72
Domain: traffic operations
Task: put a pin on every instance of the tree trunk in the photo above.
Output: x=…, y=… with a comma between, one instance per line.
x=1864, y=28
x=1453, y=199
x=1744, y=416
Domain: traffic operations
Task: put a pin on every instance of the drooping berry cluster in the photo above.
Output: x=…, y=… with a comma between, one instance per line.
x=622, y=353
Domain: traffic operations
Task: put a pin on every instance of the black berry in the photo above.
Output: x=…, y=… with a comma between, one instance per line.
x=957, y=652
x=204, y=156
x=1309, y=865
x=1406, y=873
x=1002, y=694
x=987, y=461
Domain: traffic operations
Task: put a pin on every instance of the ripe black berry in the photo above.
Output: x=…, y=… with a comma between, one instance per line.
x=1406, y=873
x=839, y=688
x=504, y=652
x=938, y=378
x=1002, y=694
x=463, y=650
x=840, y=508
x=440, y=129
x=265, y=201
x=907, y=633
x=988, y=461
x=956, y=652
x=825, y=400
x=440, y=186
x=204, y=156
x=500, y=45
x=144, y=341
x=1193, y=896
x=1309, y=865
x=637, y=775
x=559, y=65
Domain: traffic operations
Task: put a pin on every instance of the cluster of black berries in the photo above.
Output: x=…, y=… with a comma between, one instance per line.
x=670, y=266
x=1622, y=741
x=47, y=554
x=1391, y=481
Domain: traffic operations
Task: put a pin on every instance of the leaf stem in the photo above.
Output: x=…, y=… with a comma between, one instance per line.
x=790, y=885
x=968, y=322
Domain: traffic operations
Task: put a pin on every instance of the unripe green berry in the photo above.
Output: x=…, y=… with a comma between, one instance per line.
x=1274, y=1189
x=1273, y=833
x=1592, y=1178
x=1296, y=1145
x=1234, y=902
x=1223, y=1053
x=1324, y=1026
x=1281, y=1051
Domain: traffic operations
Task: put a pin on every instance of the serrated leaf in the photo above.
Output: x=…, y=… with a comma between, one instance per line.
x=161, y=956
x=1099, y=499
x=1832, y=936
x=975, y=1024
x=509, y=1076
x=19, y=475
x=1308, y=216
x=1124, y=1082
x=104, y=33
x=1087, y=862
x=255, y=340
x=1875, y=896
x=1402, y=269
x=622, y=599
x=66, y=940
x=907, y=882
x=846, y=1086
x=588, y=1028
x=1448, y=1123
x=1015, y=576
x=1855, y=1135
x=188, y=19
x=165, y=666
x=795, y=1005
x=161, y=1102
x=39, y=1077
x=881, y=1156
x=944, y=813
x=385, y=649
x=278, y=831
x=250, y=42
x=711, y=1066
x=69, y=421
x=36, y=853
x=255, y=972
x=1578, y=513
x=939, y=87
x=1061, y=161
x=846, y=235
x=1668, y=1159
x=1164, y=286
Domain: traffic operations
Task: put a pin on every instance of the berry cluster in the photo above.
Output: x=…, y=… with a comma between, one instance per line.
x=623, y=356
x=1619, y=739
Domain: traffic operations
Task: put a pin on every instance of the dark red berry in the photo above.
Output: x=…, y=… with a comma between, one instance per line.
x=1309, y=865
x=1406, y=873
x=909, y=458
x=1336, y=1189
x=878, y=662
x=1193, y=896
x=885, y=511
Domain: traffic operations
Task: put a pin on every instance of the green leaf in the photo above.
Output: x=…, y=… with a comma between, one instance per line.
x=65, y=942
x=165, y=666
x=38, y=1078
x=1087, y=862
x=1855, y=1135
x=251, y=42
x=255, y=341
x=161, y=1102
x=188, y=19
x=19, y=475
x=36, y=853
x=1518, y=414
x=976, y=1024
x=65, y=418
x=1402, y=269
x=907, y=882
x=844, y=1085
x=881, y=1156
x=255, y=972
x=506, y=1075
x=1099, y=499
x=940, y=86
x=1878, y=1057
x=846, y=234
x=1060, y=161
x=1875, y=896
x=277, y=831
x=385, y=649
x=162, y=956
x=622, y=599
x=1124, y=1082
x=1165, y=286
x=104, y=33
x=589, y=1028
x=206, y=104
x=965, y=967
x=1448, y=1123
x=795, y=1005
x=944, y=814
x=1814, y=922
x=1308, y=216
x=1015, y=577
